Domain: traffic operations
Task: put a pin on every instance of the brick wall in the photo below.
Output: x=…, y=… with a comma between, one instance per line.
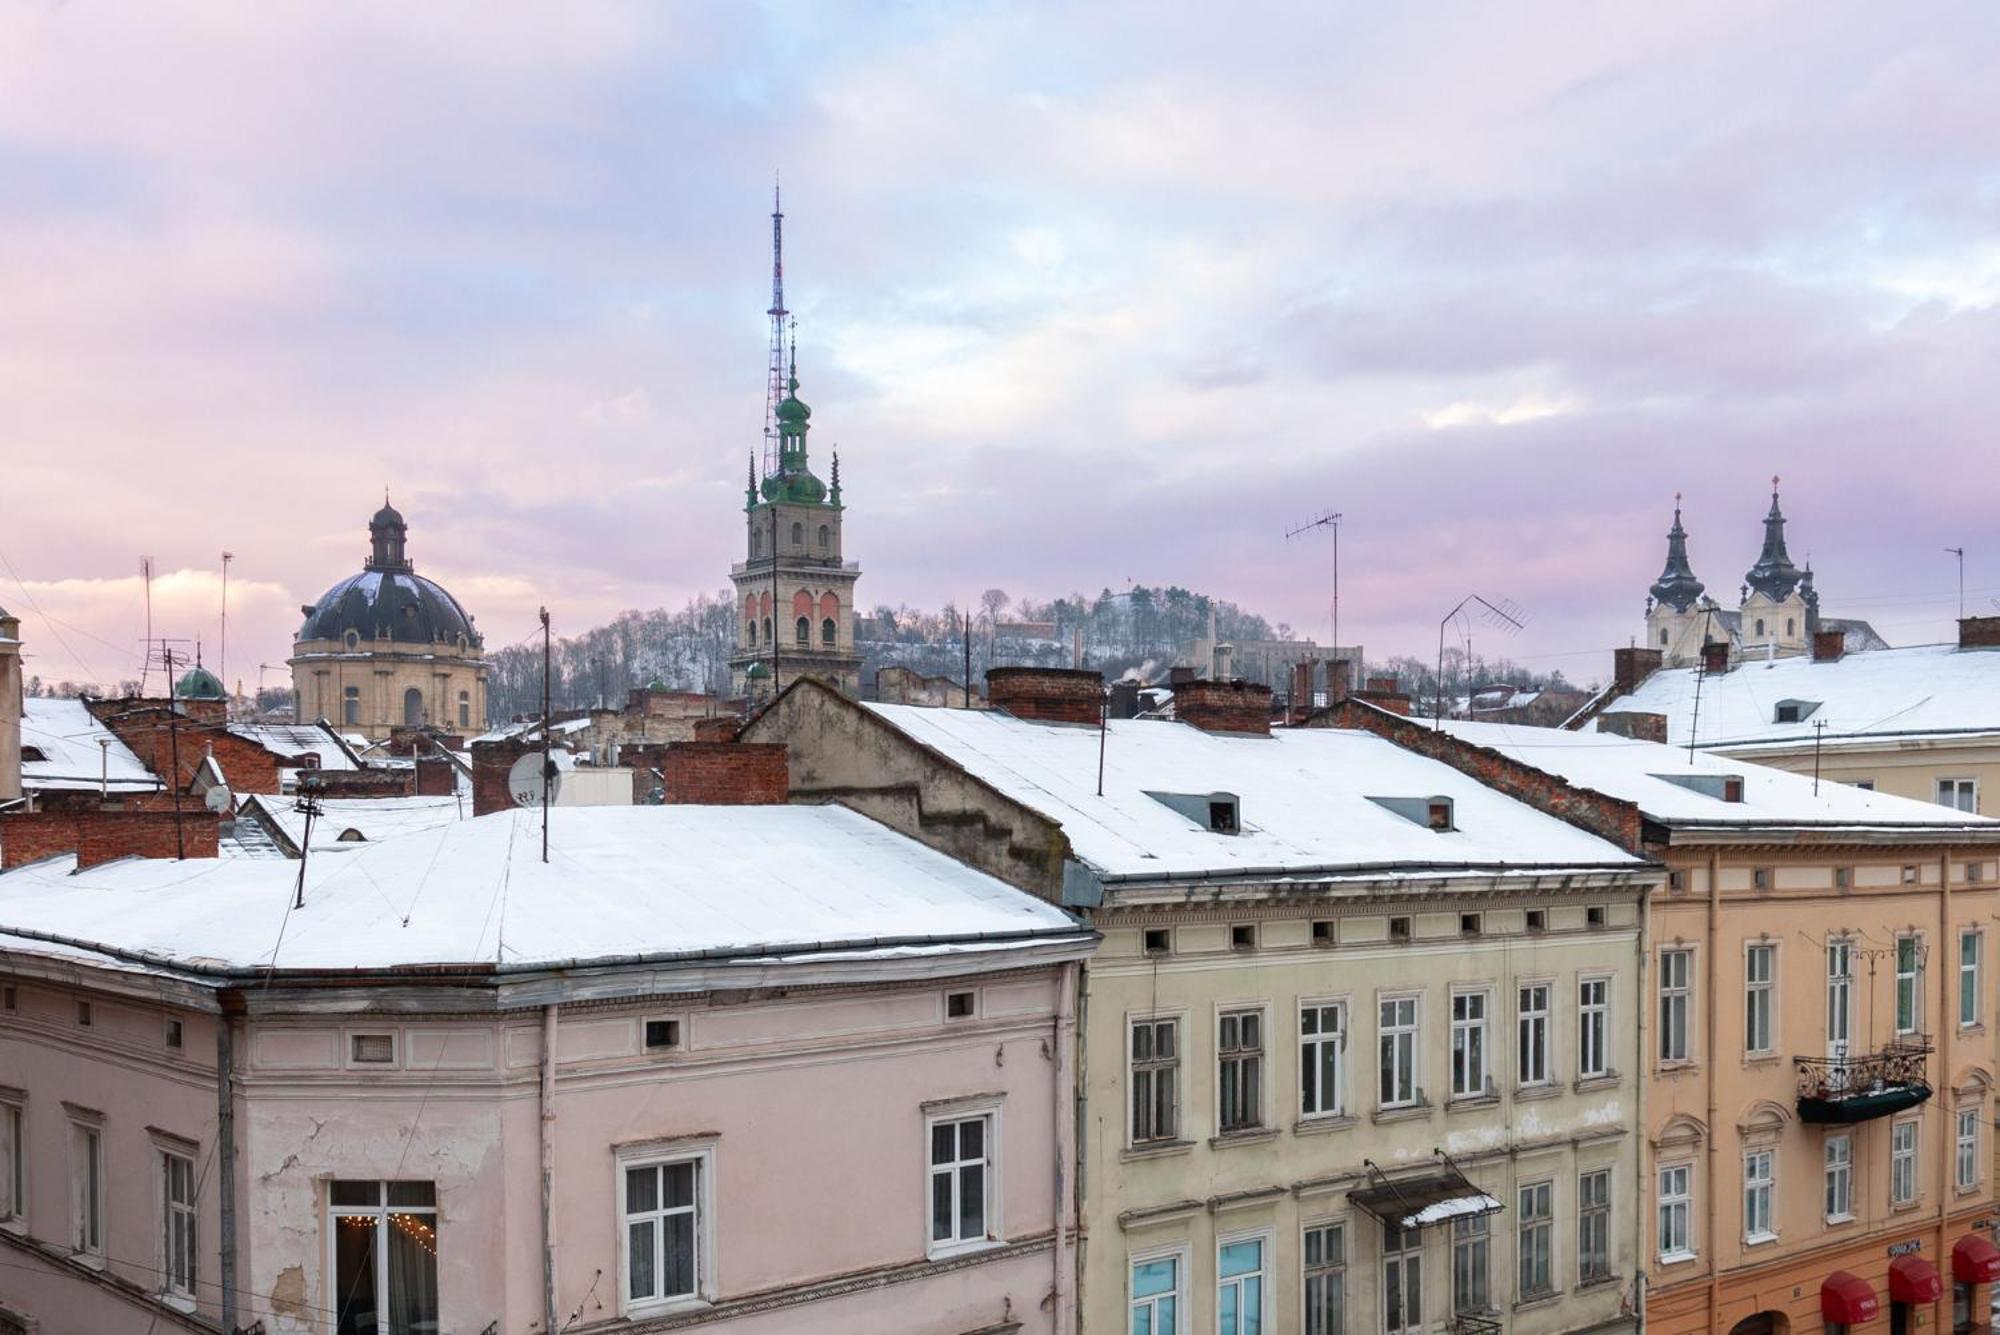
x=1224, y=706
x=1608, y=818
x=1634, y=723
x=1828, y=645
x=1979, y=632
x=436, y=777
x=1052, y=695
x=153, y=732
x=1631, y=666
x=100, y=836
x=1715, y=656
x=365, y=782
x=720, y=728
x=728, y=773
x=490, y=763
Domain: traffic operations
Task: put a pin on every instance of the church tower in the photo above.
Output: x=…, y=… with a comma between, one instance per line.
x=1780, y=610
x=1678, y=619
x=794, y=592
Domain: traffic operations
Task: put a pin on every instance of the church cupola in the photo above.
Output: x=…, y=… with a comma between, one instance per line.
x=1774, y=575
x=794, y=482
x=1677, y=587
x=387, y=538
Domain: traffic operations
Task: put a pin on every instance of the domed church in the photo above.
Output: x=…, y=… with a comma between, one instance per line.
x=389, y=649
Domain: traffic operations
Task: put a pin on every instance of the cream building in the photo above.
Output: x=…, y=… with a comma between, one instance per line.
x=389, y=649
x=1359, y=1051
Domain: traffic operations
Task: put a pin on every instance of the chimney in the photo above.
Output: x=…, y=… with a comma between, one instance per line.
x=1979, y=632
x=1224, y=706
x=98, y=836
x=1382, y=693
x=1635, y=724
x=1382, y=685
x=436, y=777
x=1048, y=695
x=1178, y=677
x=1829, y=645
x=1715, y=656
x=1124, y=702
x=717, y=728
x=1631, y=666
x=1302, y=688
x=1222, y=664
x=10, y=706
x=491, y=762
x=727, y=774
x=1339, y=680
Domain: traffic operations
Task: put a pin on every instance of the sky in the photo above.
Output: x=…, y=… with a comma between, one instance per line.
x=1086, y=294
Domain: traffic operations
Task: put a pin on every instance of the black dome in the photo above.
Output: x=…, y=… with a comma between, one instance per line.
x=404, y=606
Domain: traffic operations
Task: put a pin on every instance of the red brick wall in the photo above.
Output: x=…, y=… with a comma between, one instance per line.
x=1393, y=701
x=1979, y=632
x=100, y=836
x=436, y=777
x=1634, y=723
x=1828, y=645
x=728, y=773
x=149, y=728
x=1715, y=656
x=490, y=763
x=1052, y=695
x=1608, y=818
x=365, y=782
x=1224, y=706
x=720, y=728
x=1631, y=666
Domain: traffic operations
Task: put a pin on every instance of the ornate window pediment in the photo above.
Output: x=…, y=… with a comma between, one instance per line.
x=1680, y=1131
x=1763, y=1120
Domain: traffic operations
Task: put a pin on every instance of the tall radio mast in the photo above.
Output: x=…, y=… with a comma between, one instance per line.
x=775, y=388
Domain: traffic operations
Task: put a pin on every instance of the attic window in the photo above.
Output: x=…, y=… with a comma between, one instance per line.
x=1732, y=788
x=1322, y=929
x=1218, y=813
x=374, y=1048
x=1538, y=920
x=1468, y=924
x=32, y=753
x=1399, y=929
x=1440, y=813
x=173, y=1033
x=1843, y=878
x=1722, y=787
x=350, y=836
x=1159, y=940
x=958, y=1005
x=662, y=1034
x=1222, y=816
x=1593, y=916
x=1243, y=936
x=1433, y=813
x=1794, y=711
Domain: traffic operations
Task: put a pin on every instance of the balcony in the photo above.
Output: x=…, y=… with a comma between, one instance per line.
x=1844, y=1090
x=1467, y=1324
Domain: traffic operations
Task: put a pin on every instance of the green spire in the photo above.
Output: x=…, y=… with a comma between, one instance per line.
x=793, y=483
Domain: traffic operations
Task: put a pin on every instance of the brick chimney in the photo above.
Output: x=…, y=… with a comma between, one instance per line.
x=1715, y=656
x=1224, y=706
x=490, y=763
x=1302, y=688
x=1635, y=724
x=436, y=777
x=1383, y=693
x=1829, y=645
x=717, y=728
x=1631, y=666
x=1979, y=632
x=98, y=836
x=1339, y=680
x=727, y=773
x=1049, y=695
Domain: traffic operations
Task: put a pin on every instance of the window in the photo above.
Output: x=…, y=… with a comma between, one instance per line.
x=770, y=635
x=1322, y=932
x=1677, y=881
x=385, y=1245
x=1243, y=936
x=1788, y=712
x=1975, y=872
x=1538, y=920
x=1962, y=794
x=1839, y=1178
x=1843, y=878
x=1468, y=924
x=86, y=1168
x=1593, y=1028
x=177, y=1235
x=1533, y=1008
x=1398, y=1033
x=663, y=1034
x=1240, y=1069
x=1322, y=1040
x=1865, y=785
x=1675, y=967
x=825, y=537
x=1438, y=813
x=1967, y=1171
x=1903, y=1163
x=1468, y=1045
x=750, y=633
x=961, y=1173
x=1159, y=940
x=1760, y=878
x=1402, y=1280
x=1757, y=1187
x=413, y=708
x=1760, y=625
x=173, y=1033
x=1593, y=1226
x=13, y=1165
x=374, y=1047
x=1471, y=1263
x=1593, y=915
x=1759, y=969
x=465, y=709
x=1676, y=1211
x=960, y=1005
x=1326, y=1280
x=350, y=705
x=1156, y=1296
x=10, y=997
x=83, y=1014
x=828, y=632
x=1156, y=1073
x=1538, y=1228
x=803, y=631
x=1839, y=996
x=1968, y=977
x=1239, y=1288
x=1910, y=873
x=1399, y=929
x=662, y=1231
x=798, y=535
x=1909, y=984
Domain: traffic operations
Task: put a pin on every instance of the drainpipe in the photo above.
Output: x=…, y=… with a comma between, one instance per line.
x=1947, y=987
x=1060, y=1111
x=1640, y=1193
x=225, y=1151
x=548, y=1101
x=1711, y=1059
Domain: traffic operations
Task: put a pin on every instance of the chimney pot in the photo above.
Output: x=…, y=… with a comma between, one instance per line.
x=1829, y=645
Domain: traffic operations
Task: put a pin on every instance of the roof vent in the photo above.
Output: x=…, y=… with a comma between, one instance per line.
x=1433, y=813
x=1218, y=813
x=1721, y=787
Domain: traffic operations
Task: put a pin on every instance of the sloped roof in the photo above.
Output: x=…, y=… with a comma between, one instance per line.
x=374, y=819
x=67, y=735
x=298, y=739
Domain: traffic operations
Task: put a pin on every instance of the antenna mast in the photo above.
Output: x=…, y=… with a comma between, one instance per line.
x=775, y=385
x=222, y=661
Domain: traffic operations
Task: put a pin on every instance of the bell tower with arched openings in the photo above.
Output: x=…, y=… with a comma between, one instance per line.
x=794, y=589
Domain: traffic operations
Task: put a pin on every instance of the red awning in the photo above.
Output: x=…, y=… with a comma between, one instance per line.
x=1912, y=1279
x=1974, y=1260
x=1847, y=1298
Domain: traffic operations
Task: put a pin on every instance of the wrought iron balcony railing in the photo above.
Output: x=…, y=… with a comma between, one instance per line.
x=1865, y=1086
x=1465, y=1323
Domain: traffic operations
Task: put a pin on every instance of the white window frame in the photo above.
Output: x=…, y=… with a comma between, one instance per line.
x=1324, y=1271
x=1676, y=997
x=1399, y=1050
x=1837, y=1197
x=13, y=1164
x=1593, y=1027
x=1671, y=1198
x=1472, y=1241
x=1966, y=1147
x=1759, y=998
x=1912, y=980
x=1533, y=1032
x=1265, y=1258
x=1760, y=1194
x=380, y=1211
x=1968, y=975
x=1903, y=1162
x=1593, y=1214
x=1310, y=1057
x=1956, y=792
x=1257, y=1059
x=1178, y=1254
x=1471, y=1043
x=176, y=1217
x=987, y=1110
x=657, y=1154
x=88, y=1197
x=1176, y=1072
x=1535, y=1233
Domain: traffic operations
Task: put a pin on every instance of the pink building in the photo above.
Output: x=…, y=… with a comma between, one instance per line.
x=754, y=1069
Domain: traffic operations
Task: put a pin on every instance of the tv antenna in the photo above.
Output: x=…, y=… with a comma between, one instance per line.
x=1506, y=616
x=222, y=655
x=1959, y=552
x=1326, y=519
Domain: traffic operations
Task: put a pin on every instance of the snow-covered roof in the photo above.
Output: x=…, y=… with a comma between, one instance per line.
x=622, y=884
x=1923, y=691
x=533, y=728
x=373, y=819
x=1308, y=798
x=1631, y=770
x=298, y=739
x=67, y=736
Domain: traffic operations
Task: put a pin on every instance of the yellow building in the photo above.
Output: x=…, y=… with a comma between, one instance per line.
x=389, y=649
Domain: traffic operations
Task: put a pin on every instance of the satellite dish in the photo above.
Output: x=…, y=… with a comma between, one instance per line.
x=525, y=780
x=217, y=798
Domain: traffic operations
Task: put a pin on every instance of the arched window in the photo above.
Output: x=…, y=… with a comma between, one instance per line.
x=825, y=537
x=350, y=705
x=1760, y=625
x=805, y=631
x=413, y=708
x=465, y=709
x=767, y=628
x=756, y=542
x=1789, y=623
x=798, y=535
x=827, y=632
x=1663, y=637
x=750, y=633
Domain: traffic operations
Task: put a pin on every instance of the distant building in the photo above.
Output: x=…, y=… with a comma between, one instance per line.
x=388, y=648
x=897, y=685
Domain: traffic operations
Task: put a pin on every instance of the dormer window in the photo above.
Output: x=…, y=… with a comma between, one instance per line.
x=1793, y=711
x=1722, y=787
x=1218, y=813
x=1732, y=788
x=32, y=753
x=1433, y=813
x=1440, y=813
x=1222, y=817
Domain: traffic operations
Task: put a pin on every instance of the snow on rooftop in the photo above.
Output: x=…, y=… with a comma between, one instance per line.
x=621, y=882
x=374, y=819
x=1304, y=794
x=1629, y=769
x=67, y=736
x=1923, y=690
x=297, y=739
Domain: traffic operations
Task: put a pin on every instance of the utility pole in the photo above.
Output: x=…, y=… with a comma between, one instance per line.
x=1959, y=552
x=548, y=759
x=222, y=660
x=965, y=620
x=174, y=748
x=309, y=807
x=1819, y=734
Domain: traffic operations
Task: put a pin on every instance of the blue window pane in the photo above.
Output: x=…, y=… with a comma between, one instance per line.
x=1226, y=1311
x=1153, y=1277
x=1168, y=1309
x=1242, y=1258
x=1142, y=1321
x=1253, y=1306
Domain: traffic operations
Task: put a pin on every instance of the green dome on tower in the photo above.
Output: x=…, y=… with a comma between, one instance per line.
x=199, y=684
